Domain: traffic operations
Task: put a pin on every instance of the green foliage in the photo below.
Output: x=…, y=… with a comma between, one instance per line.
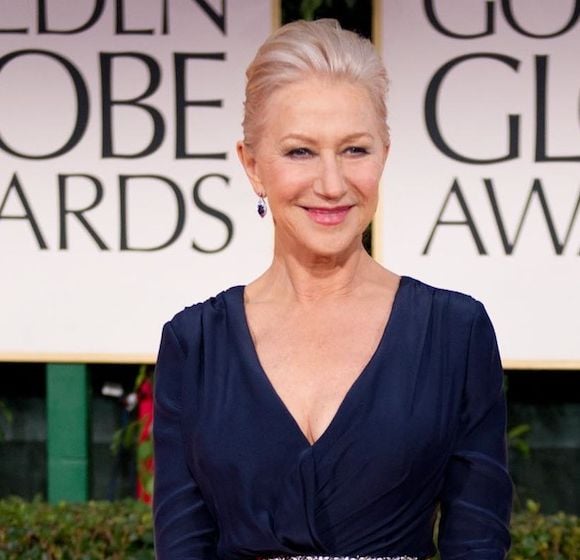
x=129, y=438
x=95, y=530
x=544, y=537
x=144, y=462
x=123, y=531
x=308, y=8
x=517, y=439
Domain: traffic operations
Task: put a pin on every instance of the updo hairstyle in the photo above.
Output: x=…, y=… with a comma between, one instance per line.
x=304, y=49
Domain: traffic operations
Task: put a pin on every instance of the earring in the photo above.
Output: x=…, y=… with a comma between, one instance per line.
x=262, y=209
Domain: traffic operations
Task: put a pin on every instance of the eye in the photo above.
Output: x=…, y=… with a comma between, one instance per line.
x=299, y=153
x=356, y=151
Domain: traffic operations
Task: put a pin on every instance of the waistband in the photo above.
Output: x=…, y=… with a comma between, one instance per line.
x=341, y=558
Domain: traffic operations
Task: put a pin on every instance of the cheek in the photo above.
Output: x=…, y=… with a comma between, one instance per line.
x=366, y=179
x=283, y=181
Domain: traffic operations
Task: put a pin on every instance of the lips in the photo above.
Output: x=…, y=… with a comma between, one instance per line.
x=328, y=216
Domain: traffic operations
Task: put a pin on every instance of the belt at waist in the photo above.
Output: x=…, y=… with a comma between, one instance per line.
x=340, y=558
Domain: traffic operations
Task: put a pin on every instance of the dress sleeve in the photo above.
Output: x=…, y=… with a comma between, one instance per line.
x=477, y=491
x=184, y=528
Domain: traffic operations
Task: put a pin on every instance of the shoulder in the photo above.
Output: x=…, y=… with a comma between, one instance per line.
x=465, y=316
x=181, y=351
x=455, y=319
x=452, y=305
x=188, y=324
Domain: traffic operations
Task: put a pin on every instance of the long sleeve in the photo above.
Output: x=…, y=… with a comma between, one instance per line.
x=477, y=491
x=184, y=528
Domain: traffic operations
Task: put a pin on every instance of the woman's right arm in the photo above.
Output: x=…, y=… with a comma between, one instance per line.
x=184, y=528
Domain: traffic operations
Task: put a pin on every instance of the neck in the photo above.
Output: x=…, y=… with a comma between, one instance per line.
x=306, y=278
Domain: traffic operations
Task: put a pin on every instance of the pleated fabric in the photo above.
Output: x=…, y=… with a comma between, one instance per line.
x=422, y=427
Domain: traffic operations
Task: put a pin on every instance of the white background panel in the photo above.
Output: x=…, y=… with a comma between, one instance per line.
x=532, y=294
x=111, y=303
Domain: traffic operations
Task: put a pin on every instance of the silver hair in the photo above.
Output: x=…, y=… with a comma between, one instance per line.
x=320, y=48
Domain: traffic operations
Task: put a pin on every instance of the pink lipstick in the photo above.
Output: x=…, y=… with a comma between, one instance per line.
x=328, y=216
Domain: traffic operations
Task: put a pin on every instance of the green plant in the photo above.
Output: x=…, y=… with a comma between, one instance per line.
x=517, y=436
x=541, y=537
x=544, y=537
x=94, y=530
x=517, y=439
x=308, y=7
x=123, y=531
x=130, y=437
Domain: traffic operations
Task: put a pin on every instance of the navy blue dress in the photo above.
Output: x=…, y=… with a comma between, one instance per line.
x=423, y=425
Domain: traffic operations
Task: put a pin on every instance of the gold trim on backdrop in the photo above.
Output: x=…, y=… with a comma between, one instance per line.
x=377, y=240
x=376, y=27
x=72, y=358
x=53, y=358
x=564, y=365
x=276, y=14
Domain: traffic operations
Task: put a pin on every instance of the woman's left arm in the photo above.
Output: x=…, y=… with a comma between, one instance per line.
x=477, y=493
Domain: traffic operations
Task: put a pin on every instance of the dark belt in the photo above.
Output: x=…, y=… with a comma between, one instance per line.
x=315, y=557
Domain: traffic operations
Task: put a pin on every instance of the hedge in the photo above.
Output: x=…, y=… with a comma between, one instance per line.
x=122, y=530
x=544, y=537
x=90, y=531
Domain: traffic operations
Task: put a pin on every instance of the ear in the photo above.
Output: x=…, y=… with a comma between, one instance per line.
x=250, y=165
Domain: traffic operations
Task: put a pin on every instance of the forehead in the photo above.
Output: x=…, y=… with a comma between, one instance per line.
x=319, y=104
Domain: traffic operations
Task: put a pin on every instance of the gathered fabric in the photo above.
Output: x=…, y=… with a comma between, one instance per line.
x=421, y=428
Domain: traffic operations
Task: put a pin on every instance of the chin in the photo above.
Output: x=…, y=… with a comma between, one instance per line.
x=319, y=241
x=331, y=248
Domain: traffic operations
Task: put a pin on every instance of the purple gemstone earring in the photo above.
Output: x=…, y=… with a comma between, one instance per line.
x=262, y=209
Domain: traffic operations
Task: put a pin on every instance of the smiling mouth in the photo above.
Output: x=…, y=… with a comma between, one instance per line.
x=328, y=216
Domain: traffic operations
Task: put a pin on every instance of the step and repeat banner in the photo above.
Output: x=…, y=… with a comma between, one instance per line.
x=121, y=197
x=481, y=192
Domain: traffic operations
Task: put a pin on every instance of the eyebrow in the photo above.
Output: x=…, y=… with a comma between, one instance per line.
x=306, y=138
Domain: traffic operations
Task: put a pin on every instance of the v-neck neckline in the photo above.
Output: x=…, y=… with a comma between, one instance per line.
x=257, y=366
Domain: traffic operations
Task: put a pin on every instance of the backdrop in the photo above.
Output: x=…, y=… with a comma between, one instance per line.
x=482, y=187
x=121, y=197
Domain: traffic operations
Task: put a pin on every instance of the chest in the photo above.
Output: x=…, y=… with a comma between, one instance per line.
x=312, y=361
x=260, y=410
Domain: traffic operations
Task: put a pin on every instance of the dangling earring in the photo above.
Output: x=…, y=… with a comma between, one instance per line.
x=262, y=208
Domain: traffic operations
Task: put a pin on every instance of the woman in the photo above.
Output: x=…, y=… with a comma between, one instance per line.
x=330, y=406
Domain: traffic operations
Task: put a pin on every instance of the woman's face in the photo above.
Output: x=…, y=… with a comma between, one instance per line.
x=318, y=161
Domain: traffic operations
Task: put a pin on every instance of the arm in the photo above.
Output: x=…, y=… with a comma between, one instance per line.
x=477, y=492
x=184, y=528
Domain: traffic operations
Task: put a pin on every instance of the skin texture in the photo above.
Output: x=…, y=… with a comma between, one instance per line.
x=318, y=313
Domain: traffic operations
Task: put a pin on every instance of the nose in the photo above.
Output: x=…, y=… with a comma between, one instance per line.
x=330, y=182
